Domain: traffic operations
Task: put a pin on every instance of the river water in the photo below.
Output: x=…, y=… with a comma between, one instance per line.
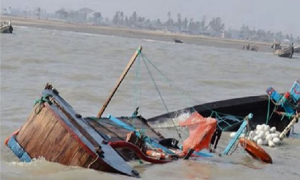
x=85, y=67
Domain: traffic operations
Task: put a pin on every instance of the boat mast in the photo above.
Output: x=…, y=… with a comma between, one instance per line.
x=132, y=60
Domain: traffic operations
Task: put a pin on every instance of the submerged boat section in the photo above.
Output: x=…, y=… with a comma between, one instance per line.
x=230, y=113
x=59, y=134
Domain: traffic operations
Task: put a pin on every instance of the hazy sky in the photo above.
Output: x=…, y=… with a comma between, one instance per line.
x=274, y=15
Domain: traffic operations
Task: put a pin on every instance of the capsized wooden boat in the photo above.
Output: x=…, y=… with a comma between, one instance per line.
x=6, y=27
x=55, y=131
x=59, y=134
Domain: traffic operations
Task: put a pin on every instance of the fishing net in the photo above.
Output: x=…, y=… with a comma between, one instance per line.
x=201, y=130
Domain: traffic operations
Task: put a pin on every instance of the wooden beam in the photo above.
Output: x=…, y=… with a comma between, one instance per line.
x=132, y=60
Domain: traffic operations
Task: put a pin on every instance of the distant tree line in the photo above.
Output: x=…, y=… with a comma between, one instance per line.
x=213, y=27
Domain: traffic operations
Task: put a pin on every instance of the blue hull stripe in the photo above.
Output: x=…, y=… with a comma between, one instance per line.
x=18, y=150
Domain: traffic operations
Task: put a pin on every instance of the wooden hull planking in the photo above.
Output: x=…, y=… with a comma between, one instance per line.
x=57, y=133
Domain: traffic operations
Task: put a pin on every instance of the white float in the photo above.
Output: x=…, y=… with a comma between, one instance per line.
x=264, y=135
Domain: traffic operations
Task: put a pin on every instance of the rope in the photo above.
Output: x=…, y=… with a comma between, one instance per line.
x=268, y=112
x=274, y=109
x=94, y=160
x=41, y=102
x=173, y=84
x=160, y=95
x=222, y=119
x=170, y=80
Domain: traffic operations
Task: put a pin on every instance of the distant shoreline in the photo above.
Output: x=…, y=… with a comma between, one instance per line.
x=132, y=33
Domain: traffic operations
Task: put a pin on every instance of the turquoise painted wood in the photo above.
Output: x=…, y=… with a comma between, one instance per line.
x=237, y=135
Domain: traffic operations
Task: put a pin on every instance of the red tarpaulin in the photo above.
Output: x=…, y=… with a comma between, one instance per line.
x=201, y=130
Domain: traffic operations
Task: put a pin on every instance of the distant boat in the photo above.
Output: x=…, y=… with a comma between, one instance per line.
x=178, y=41
x=6, y=27
x=285, y=52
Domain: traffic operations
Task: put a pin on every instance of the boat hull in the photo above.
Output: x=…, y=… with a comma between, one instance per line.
x=59, y=134
x=6, y=29
x=286, y=52
x=259, y=106
x=116, y=132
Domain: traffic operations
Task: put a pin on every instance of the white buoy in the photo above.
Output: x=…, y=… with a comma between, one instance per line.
x=258, y=127
x=271, y=144
x=266, y=128
x=265, y=135
x=273, y=129
x=255, y=138
x=269, y=137
x=259, y=141
x=276, y=140
x=275, y=135
x=261, y=135
x=257, y=132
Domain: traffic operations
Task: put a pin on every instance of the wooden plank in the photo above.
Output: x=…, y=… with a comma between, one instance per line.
x=61, y=147
x=68, y=143
x=82, y=161
x=112, y=131
x=76, y=158
x=49, y=145
x=73, y=148
x=34, y=146
x=29, y=127
x=35, y=130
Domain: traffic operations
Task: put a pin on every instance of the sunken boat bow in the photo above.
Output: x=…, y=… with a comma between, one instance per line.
x=230, y=113
x=57, y=133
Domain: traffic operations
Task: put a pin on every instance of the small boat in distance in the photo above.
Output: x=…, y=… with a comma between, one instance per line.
x=178, y=41
x=285, y=49
x=285, y=52
x=6, y=27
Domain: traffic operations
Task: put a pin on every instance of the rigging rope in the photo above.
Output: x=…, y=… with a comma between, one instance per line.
x=170, y=80
x=173, y=84
x=161, y=97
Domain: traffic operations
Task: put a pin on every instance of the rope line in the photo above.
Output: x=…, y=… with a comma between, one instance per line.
x=162, y=99
x=174, y=85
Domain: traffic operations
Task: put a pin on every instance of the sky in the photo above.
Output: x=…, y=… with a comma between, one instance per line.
x=273, y=15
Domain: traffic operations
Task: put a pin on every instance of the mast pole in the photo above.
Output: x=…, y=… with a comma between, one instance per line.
x=130, y=63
